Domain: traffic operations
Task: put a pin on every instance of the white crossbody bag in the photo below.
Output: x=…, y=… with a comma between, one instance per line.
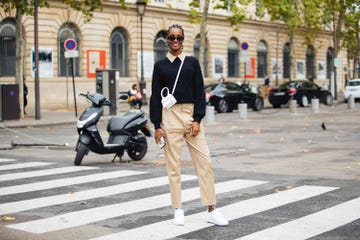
x=169, y=100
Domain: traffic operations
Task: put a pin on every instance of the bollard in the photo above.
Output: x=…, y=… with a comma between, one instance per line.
x=351, y=102
x=242, y=110
x=315, y=105
x=293, y=105
x=210, y=115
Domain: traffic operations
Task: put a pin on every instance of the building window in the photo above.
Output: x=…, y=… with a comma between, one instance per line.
x=197, y=54
x=286, y=60
x=310, y=56
x=119, y=52
x=68, y=30
x=261, y=59
x=233, y=58
x=7, y=48
x=160, y=46
x=329, y=61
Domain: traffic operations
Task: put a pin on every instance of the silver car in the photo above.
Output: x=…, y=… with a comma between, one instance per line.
x=352, y=88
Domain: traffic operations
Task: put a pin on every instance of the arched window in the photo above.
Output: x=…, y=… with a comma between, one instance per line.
x=233, y=58
x=310, y=58
x=329, y=61
x=7, y=48
x=68, y=30
x=286, y=60
x=119, y=51
x=197, y=54
x=261, y=59
x=160, y=46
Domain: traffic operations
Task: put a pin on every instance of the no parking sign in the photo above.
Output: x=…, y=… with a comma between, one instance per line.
x=70, y=46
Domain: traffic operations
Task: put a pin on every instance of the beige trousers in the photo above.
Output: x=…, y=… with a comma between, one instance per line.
x=176, y=123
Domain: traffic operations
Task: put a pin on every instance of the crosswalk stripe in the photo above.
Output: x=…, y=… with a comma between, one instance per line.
x=18, y=206
x=311, y=225
x=36, y=186
x=233, y=211
x=41, y=173
x=24, y=165
x=6, y=160
x=78, y=218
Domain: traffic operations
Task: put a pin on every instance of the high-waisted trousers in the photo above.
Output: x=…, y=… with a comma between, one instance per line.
x=176, y=123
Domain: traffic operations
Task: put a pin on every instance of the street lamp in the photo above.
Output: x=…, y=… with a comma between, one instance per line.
x=141, y=7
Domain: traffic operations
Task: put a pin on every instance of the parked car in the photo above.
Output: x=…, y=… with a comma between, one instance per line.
x=300, y=90
x=352, y=88
x=226, y=96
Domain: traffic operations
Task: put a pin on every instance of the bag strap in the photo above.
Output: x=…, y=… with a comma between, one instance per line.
x=178, y=74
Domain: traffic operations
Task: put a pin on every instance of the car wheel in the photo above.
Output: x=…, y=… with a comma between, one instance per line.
x=304, y=102
x=258, y=104
x=222, y=106
x=329, y=99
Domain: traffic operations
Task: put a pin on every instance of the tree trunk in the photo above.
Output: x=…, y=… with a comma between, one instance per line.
x=203, y=34
x=19, y=68
x=291, y=57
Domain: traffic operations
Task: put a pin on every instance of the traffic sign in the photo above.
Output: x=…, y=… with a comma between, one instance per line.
x=70, y=44
x=244, y=46
x=71, y=54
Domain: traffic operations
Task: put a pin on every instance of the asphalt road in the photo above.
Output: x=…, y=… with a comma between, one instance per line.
x=279, y=176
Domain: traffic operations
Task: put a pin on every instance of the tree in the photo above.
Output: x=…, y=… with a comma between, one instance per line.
x=238, y=15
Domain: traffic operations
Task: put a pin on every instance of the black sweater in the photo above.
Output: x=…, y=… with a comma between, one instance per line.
x=189, y=88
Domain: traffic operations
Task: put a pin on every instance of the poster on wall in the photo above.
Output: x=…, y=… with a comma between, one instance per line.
x=250, y=68
x=148, y=58
x=45, y=62
x=95, y=60
x=276, y=67
x=300, y=69
x=321, y=70
x=218, y=66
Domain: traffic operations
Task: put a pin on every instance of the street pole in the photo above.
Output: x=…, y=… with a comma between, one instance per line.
x=36, y=70
x=141, y=6
x=335, y=57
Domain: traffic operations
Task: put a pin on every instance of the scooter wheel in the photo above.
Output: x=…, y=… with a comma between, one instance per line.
x=81, y=151
x=138, y=154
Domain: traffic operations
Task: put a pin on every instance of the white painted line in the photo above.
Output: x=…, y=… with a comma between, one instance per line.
x=36, y=186
x=41, y=173
x=23, y=165
x=6, y=160
x=87, y=216
x=24, y=205
x=311, y=225
x=233, y=211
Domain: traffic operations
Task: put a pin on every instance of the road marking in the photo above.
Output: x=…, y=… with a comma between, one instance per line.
x=87, y=216
x=23, y=165
x=311, y=225
x=233, y=211
x=36, y=186
x=41, y=173
x=6, y=160
x=24, y=205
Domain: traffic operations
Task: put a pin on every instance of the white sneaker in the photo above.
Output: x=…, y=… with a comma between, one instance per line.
x=179, y=218
x=217, y=218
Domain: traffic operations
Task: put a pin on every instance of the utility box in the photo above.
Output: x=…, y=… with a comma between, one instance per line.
x=9, y=102
x=106, y=84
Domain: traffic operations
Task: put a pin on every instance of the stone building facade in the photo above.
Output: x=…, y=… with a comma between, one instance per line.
x=111, y=40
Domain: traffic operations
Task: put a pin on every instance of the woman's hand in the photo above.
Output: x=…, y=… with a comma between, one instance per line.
x=195, y=128
x=158, y=134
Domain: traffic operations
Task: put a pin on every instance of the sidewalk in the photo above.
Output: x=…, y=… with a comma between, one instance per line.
x=65, y=116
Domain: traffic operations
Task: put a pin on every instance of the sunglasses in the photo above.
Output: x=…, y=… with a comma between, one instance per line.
x=172, y=38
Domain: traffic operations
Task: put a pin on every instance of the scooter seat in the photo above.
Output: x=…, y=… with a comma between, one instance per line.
x=118, y=123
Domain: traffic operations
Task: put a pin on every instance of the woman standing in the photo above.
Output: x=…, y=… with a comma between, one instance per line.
x=182, y=122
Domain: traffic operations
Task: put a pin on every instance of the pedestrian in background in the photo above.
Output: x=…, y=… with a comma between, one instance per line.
x=135, y=97
x=182, y=122
x=25, y=93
